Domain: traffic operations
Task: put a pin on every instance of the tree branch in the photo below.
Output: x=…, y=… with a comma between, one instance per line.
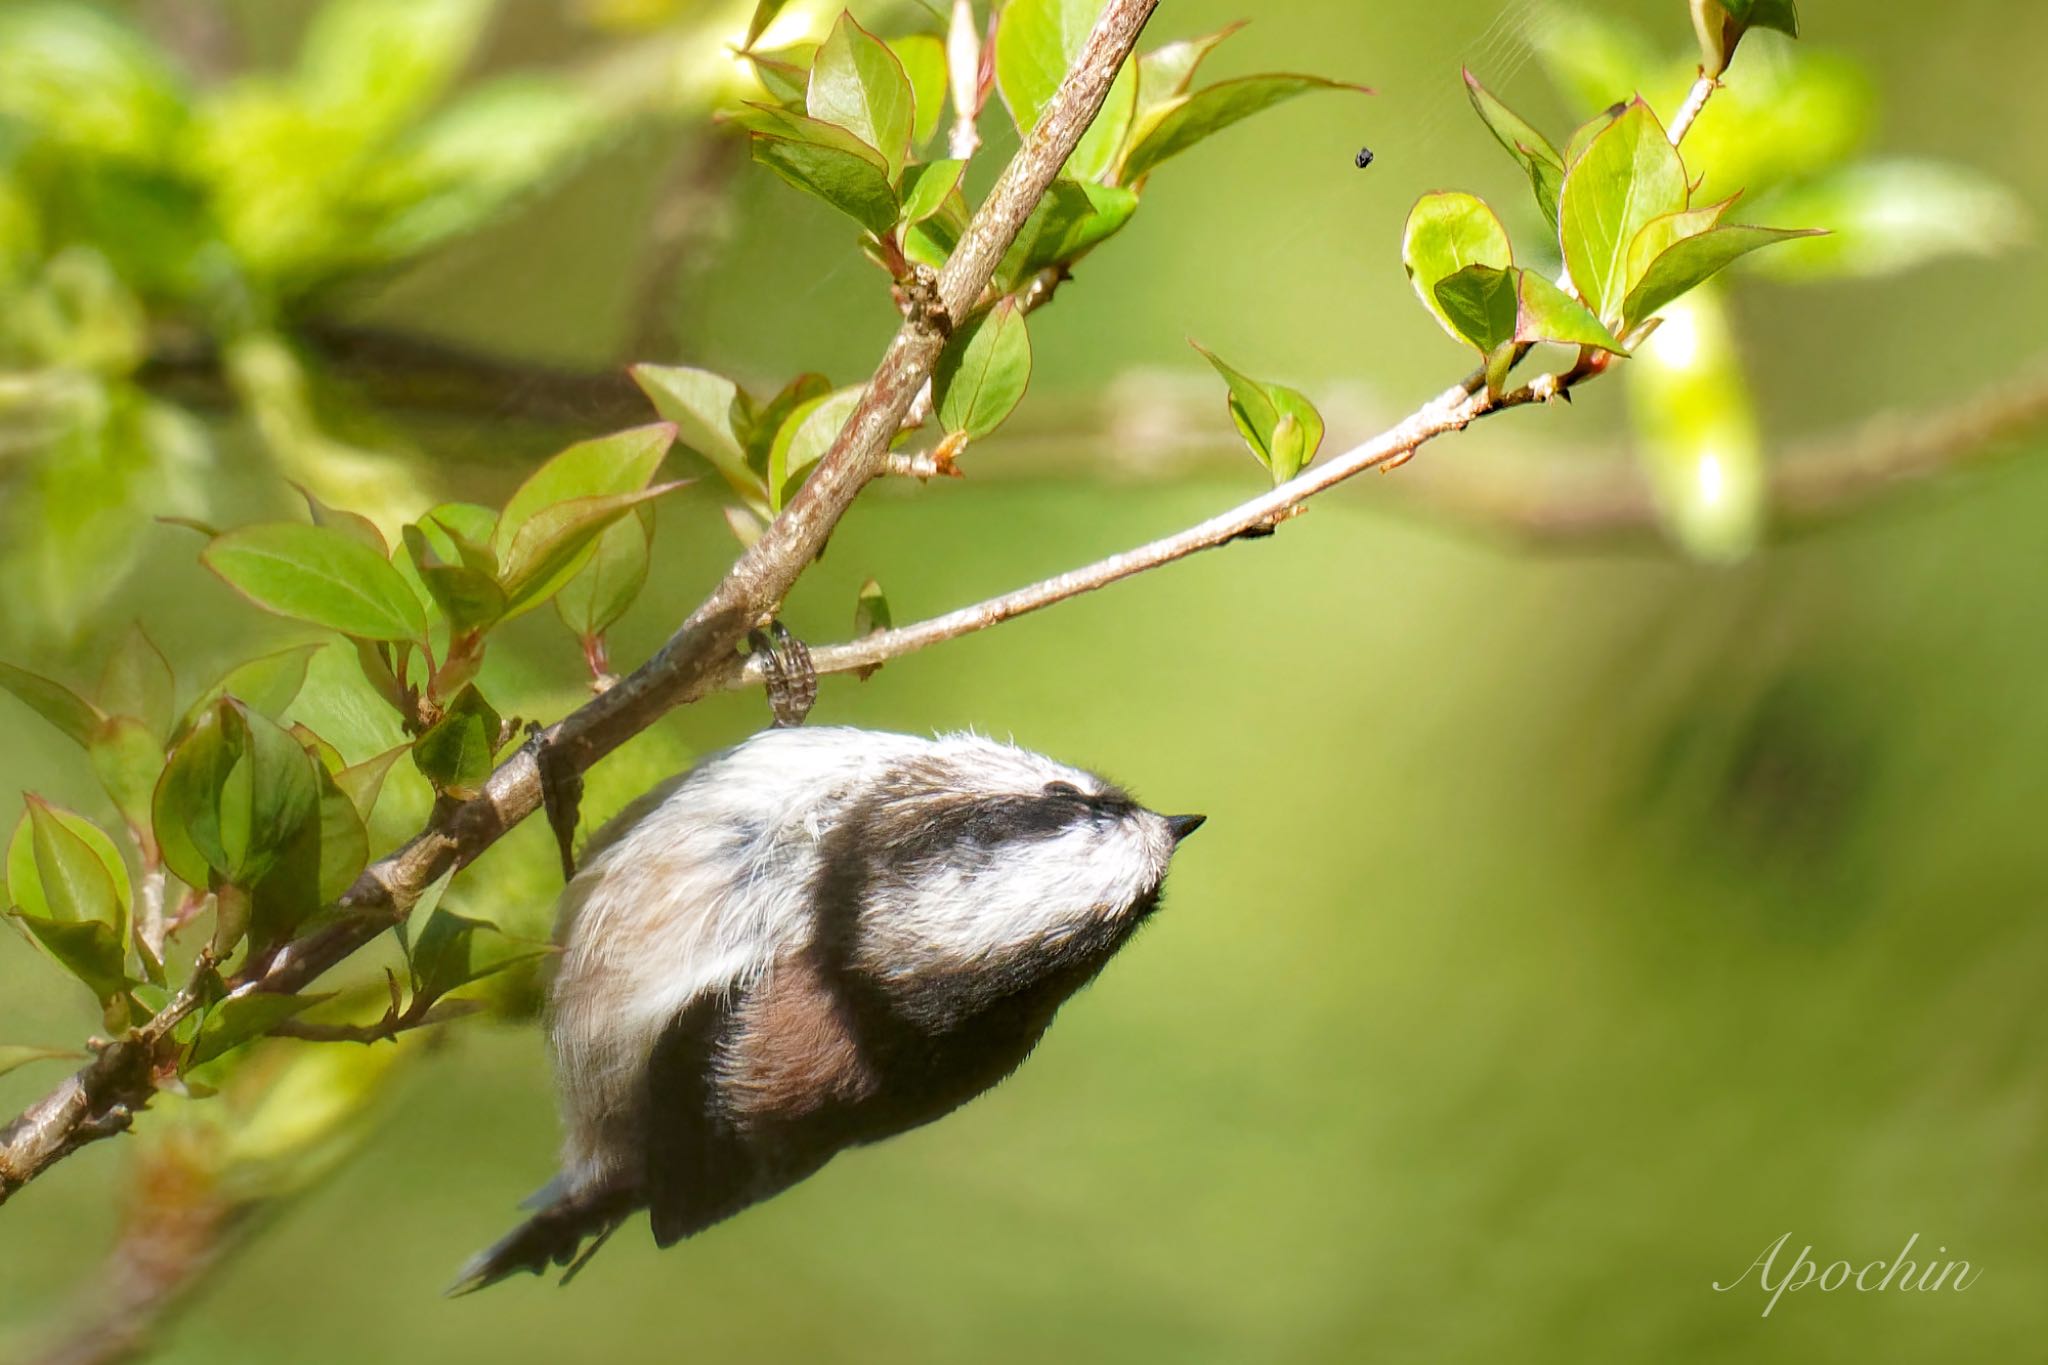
x=100, y=1099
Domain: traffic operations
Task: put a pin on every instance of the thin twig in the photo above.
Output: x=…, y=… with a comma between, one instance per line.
x=98, y=1099
x=1695, y=100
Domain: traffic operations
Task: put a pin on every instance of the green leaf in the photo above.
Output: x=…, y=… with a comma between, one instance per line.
x=1182, y=122
x=241, y=1019
x=1280, y=426
x=1541, y=161
x=1583, y=135
x=454, y=950
x=362, y=782
x=138, y=682
x=858, y=84
x=983, y=372
x=926, y=189
x=785, y=75
x=806, y=435
x=235, y=795
x=1546, y=313
x=761, y=426
x=1071, y=220
x=701, y=406
x=871, y=610
x=1482, y=304
x=372, y=65
x=825, y=160
x=620, y=463
x=63, y=867
x=468, y=597
x=455, y=753
x=72, y=714
x=127, y=758
x=267, y=684
x=1499, y=310
x=14, y=1056
x=556, y=542
x=1036, y=42
x=321, y=576
x=185, y=809
x=1660, y=234
x=1629, y=175
x=598, y=596
x=924, y=60
x=1692, y=260
x=1165, y=72
x=351, y=524
x=1447, y=232
x=91, y=951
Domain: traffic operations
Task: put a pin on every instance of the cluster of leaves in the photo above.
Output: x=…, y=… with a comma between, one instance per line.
x=235, y=813
x=849, y=120
x=136, y=199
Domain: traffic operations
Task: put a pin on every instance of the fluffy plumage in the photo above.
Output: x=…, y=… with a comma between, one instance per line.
x=817, y=939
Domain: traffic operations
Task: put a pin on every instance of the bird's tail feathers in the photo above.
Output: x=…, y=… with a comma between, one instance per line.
x=554, y=1236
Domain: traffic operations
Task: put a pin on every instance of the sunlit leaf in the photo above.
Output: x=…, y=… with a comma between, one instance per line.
x=1279, y=425
x=620, y=463
x=1696, y=430
x=1036, y=42
x=924, y=61
x=555, y=543
x=321, y=576
x=1689, y=262
x=764, y=15
x=601, y=593
x=1629, y=176
x=362, y=782
x=825, y=160
x=1541, y=161
x=267, y=684
x=352, y=524
x=63, y=867
x=858, y=84
x=456, y=753
x=1189, y=119
x=1447, y=232
x=806, y=435
x=1721, y=25
x=376, y=63
x=701, y=405
x=91, y=951
x=1166, y=71
x=1889, y=216
x=927, y=188
x=983, y=372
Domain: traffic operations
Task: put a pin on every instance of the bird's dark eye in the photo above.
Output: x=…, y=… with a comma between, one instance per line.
x=1065, y=790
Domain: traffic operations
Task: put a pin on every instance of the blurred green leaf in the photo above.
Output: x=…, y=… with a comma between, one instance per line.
x=74, y=716
x=137, y=682
x=1280, y=425
x=14, y=1056
x=1189, y=119
x=91, y=82
x=374, y=65
x=923, y=57
x=1628, y=176
x=63, y=867
x=858, y=84
x=267, y=684
x=1690, y=261
x=90, y=951
x=456, y=752
x=764, y=15
x=1721, y=25
x=1889, y=216
x=599, y=595
x=1696, y=429
x=128, y=759
x=806, y=434
x=1541, y=161
x=241, y=1019
x=321, y=576
x=871, y=610
x=983, y=372
x=1446, y=232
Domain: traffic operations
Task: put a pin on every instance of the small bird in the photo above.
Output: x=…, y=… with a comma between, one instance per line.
x=815, y=940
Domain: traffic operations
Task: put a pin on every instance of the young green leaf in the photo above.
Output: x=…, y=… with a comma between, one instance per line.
x=469, y=598
x=454, y=950
x=620, y=463
x=825, y=160
x=89, y=950
x=1165, y=72
x=1582, y=136
x=1543, y=163
x=923, y=57
x=1279, y=424
x=1691, y=261
x=1071, y=220
x=1660, y=234
x=241, y=1019
x=351, y=524
x=785, y=75
x=128, y=758
x=74, y=716
x=926, y=189
x=456, y=752
x=63, y=867
x=362, y=782
x=1447, y=232
x=555, y=543
x=266, y=684
x=858, y=84
x=983, y=372
x=598, y=596
x=806, y=434
x=702, y=405
x=1036, y=42
x=185, y=808
x=1545, y=312
x=763, y=425
x=871, y=610
x=1188, y=119
x=1629, y=176
x=324, y=577
x=138, y=682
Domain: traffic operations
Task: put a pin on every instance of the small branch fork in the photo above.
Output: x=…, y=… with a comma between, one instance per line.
x=101, y=1098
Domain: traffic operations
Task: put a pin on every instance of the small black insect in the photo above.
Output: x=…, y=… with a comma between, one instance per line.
x=1364, y=157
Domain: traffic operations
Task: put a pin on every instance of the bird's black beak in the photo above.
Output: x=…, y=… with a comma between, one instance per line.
x=1182, y=826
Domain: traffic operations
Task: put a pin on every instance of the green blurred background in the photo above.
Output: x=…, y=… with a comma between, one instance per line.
x=1570, y=923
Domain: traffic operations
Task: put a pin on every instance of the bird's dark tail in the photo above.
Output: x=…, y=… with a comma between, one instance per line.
x=554, y=1236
